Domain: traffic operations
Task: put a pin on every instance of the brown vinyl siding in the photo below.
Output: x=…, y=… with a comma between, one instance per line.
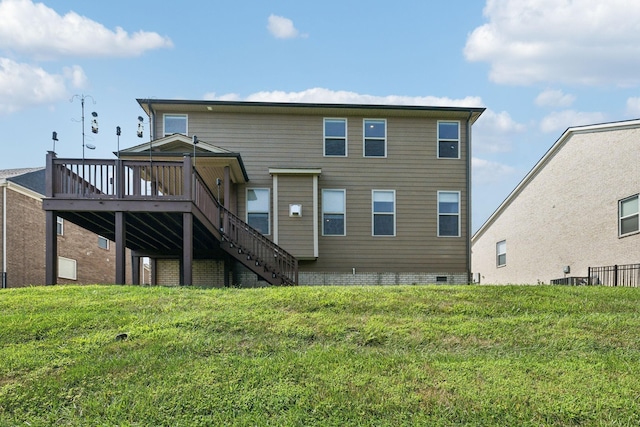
x=411, y=168
x=295, y=234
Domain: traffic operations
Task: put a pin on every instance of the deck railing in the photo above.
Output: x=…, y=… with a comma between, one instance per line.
x=127, y=179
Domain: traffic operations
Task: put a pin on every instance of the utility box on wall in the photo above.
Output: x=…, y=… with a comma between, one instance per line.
x=295, y=210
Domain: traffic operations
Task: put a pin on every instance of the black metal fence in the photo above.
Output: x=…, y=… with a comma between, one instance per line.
x=615, y=275
x=4, y=280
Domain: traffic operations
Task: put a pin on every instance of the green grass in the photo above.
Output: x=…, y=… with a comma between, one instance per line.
x=335, y=356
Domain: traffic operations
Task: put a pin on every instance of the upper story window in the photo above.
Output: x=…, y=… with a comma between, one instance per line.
x=384, y=212
x=333, y=212
x=175, y=123
x=258, y=203
x=375, y=138
x=501, y=253
x=628, y=217
x=60, y=226
x=335, y=137
x=448, y=140
x=448, y=213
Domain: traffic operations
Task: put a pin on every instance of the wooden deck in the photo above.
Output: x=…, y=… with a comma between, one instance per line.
x=156, y=209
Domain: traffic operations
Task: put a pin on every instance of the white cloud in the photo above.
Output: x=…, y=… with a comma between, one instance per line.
x=282, y=28
x=554, y=98
x=588, y=42
x=37, y=30
x=561, y=120
x=494, y=132
x=23, y=85
x=633, y=107
x=488, y=172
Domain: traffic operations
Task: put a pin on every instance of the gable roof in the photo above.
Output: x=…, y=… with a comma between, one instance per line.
x=30, y=178
x=175, y=143
x=557, y=146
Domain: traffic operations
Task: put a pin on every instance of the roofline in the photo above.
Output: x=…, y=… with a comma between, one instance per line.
x=146, y=102
x=566, y=135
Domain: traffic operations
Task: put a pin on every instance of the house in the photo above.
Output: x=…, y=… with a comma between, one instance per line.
x=248, y=193
x=83, y=257
x=577, y=208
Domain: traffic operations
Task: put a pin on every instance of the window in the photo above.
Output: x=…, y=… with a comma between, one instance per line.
x=175, y=123
x=375, y=138
x=501, y=253
x=333, y=212
x=60, y=226
x=335, y=137
x=258, y=203
x=629, y=215
x=448, y=140
x=384, y=212
x=103, y=243
x=67, y=268
x=449, y=213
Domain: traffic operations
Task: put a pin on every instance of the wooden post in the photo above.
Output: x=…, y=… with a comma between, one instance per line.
x=135, y=268
x=187, y=176
x=51, y=245
x=187, y=249
x=120, y=249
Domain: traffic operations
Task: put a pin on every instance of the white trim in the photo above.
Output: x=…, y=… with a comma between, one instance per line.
x=276, y=222
x=383, y=213
x=564, y=138
x=498, y=253
x=246, y=198
x=438, y=139
x=4, y=229
x=60, y=220
x=459, y=214
x=186, y=125
x=344, y=213
x=316, y=245
x=324, y=137
x=620, y=217
x=70, y=264
x=23, y=190
x=295, y=171
x=364, y=138
x=106, y=240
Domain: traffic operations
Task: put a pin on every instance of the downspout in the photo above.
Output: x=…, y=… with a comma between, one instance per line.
x=4, y=237
x=469, y=228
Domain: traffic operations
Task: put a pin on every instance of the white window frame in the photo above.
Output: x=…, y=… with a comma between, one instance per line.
x=628, y=216
x=501, y=251
x=448, y=213
x=343, y=212
x=346, y=137
x=164, y=124
x=364, y=138
x=457, y=140
x=106, y=246
x=59, y=226
x=374, y=213
x=268, y=211
x=67, y=268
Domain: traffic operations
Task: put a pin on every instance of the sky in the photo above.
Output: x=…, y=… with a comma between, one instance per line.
x=537, y=66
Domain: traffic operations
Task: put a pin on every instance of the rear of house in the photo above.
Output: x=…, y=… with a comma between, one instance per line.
x=577, y=208
x=357, y=193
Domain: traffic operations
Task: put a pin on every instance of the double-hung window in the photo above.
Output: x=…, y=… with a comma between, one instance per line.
x=384, y=212
x=375, y=138
x=60, y=226
x=175, y=123
x=335, y=137
x=501, y=253
x=258, y=203
x=448, y=140
x=448, y=213
x=333, y=212
x=628, y=215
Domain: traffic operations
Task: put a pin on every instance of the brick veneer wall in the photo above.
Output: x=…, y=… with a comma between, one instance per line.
x=26, y=246
x=206, y=272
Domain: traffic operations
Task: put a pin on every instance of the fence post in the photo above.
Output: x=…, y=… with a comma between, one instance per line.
x=615, y=275
x=589, y=276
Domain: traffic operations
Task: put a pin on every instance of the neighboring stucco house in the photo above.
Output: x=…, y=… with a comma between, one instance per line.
x=577, y=208
x=83, y=257
x=354, y=193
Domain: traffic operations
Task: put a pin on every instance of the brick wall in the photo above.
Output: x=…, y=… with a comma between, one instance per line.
x=26, y=246
x=206, y=272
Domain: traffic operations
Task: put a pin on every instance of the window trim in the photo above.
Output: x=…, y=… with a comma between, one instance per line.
x=373, y=213
x=364, y=138
x=60, y=223
x=343, y=213
x=106, y=247
x=268, y=212
x=449, y=214
x=448, y=139
x=346, y=137
x=164, y=123
x=499, y=253
x=72, y=264
x=621, y=218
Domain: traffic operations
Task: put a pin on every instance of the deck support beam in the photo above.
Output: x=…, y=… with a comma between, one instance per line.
x=187, y=249
x=121, y=253
x=51, y=245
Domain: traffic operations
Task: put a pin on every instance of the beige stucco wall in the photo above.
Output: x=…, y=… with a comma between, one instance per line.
x=567, y=214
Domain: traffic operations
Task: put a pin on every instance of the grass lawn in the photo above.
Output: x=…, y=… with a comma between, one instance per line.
x=334, y=356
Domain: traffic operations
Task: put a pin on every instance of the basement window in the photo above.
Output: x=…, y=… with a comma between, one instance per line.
x=103, y=243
